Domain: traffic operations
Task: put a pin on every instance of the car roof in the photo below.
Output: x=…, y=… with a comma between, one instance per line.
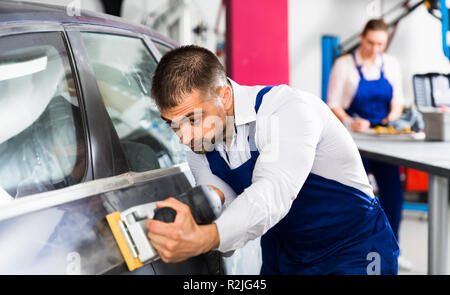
x=21, y=12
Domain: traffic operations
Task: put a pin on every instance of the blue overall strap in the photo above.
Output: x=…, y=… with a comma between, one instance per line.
x=241, y=177
x=358, y=67
x=260, y=96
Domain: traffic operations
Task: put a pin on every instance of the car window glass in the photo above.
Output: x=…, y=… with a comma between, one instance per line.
x=42, y=143
x=124, y=69
x=163, y=49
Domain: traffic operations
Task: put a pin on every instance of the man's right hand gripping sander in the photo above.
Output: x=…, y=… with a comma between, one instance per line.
x=130, y=231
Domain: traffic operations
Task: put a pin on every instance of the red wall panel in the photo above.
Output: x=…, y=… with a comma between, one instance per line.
x=257, y=50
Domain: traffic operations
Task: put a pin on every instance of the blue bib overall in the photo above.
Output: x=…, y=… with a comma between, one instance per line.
x=330, y=228
x=372, y=102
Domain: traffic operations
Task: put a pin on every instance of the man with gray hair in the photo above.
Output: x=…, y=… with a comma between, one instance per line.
x=284, y=166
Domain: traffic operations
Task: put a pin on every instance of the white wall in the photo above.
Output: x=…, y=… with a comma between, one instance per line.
x=418, y=46
x=202, y=11
x=136, y=10
x=417, y=43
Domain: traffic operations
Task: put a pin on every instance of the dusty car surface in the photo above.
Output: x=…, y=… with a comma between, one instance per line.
x=80, y=137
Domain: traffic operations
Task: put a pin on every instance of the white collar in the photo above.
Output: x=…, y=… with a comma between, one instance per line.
x=244, y=104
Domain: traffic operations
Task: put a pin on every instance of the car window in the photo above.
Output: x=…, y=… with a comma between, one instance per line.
x=124, y=68
x=42, y=142
x=163, y=49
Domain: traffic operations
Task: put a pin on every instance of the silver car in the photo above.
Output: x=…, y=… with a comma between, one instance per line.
x=80, y=137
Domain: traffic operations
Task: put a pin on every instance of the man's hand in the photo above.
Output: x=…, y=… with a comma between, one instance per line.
x=385, y=121
x=360, y=125
x=183, y=238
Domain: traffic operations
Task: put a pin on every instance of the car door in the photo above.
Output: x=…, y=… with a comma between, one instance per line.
x=56, y=223
x=122, y=64
x=44, y=145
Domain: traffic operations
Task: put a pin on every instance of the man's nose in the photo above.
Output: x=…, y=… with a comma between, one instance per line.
x=186, y=133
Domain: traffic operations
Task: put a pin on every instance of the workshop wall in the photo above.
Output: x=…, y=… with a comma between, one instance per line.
x=417, y=43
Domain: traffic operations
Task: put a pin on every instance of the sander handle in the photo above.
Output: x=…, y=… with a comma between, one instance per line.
x=204, y=202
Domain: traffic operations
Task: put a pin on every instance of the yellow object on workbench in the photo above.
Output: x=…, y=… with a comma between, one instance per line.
x=391, y=130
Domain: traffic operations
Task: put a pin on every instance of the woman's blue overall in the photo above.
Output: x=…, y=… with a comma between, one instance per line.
x=372, y=102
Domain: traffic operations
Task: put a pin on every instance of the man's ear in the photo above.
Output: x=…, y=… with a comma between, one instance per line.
x=227, y=97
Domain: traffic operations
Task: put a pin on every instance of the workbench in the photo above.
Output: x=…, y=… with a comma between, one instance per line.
x=427, y=156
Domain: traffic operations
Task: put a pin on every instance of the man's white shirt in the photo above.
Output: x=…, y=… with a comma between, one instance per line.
x=295, y=133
